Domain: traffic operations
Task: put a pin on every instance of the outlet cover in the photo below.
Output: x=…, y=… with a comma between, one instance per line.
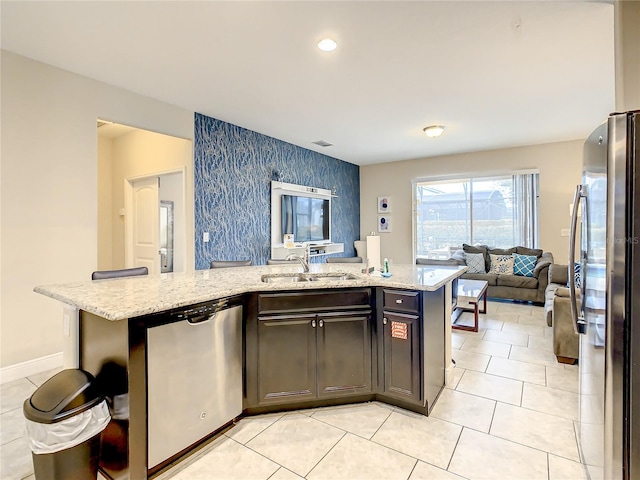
x=564, y=232
x=205, y=237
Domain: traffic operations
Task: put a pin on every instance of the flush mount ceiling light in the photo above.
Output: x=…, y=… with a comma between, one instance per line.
x=433, y=131
x=327, y=45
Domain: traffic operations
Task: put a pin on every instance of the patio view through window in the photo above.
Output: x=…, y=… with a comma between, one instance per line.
x=499, y=211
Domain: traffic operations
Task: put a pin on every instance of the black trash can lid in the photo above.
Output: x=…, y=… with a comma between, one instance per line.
x=64, y=395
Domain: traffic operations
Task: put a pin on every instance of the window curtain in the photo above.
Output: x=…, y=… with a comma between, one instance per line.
x=526, y=189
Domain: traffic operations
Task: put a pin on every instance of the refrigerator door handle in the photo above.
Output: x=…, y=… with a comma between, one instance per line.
x=579, y=324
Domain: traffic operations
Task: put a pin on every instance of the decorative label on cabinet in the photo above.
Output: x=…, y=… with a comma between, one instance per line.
x=399, y=330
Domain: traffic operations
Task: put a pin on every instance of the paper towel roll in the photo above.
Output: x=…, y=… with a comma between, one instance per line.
x=373, y=251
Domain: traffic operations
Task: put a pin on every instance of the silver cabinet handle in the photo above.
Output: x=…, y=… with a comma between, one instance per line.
x=578, y=320
x=321, y=323
x=384, y=321
x=313, y=323
x=399, y=300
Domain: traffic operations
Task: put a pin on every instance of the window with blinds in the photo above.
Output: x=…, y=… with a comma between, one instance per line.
x=499, y=211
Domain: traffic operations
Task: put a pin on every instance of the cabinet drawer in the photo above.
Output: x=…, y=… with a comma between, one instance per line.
x=402, y=300
x=314, y=301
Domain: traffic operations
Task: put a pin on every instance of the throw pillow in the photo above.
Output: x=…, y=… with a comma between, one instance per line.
x=478, y=249
x=524, y=265
x=501, y=264
x=529, y=251
x=475, y=262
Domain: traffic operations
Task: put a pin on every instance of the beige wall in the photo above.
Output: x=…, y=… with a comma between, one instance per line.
x=627, y=42
x=559, y=165
x=49, y=218
x=105, y=214
x=139, y=154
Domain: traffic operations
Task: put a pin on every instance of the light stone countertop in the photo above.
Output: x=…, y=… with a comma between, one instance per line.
x=121, y=298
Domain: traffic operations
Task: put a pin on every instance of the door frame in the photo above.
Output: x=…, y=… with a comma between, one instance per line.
x=128, y=210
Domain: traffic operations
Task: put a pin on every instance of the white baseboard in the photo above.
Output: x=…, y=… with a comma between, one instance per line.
x=30, y=367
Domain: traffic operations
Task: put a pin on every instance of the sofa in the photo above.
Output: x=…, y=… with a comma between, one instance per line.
x=557, y=307
x=509, y=285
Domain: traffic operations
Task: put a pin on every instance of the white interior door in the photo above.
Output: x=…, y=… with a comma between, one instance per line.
x=145, y=224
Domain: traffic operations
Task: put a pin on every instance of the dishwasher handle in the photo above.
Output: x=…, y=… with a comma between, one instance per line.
x=200, y=319
x=204, y=313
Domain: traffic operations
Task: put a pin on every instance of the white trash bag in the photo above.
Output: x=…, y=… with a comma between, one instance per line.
x=53, y=437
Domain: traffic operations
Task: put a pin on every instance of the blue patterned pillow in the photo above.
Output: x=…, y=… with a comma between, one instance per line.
x=475, y=262
x=524, y=265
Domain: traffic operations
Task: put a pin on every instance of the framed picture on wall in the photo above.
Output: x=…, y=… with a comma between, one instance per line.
x=384, y=204
x=384, y=223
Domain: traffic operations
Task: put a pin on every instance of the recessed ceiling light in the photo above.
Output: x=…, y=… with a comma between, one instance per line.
x=327, y=45
x=433, y=131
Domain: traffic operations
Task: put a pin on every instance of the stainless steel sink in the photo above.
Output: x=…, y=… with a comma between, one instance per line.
x=275, y=278
x=331, y=277
x=307, y=277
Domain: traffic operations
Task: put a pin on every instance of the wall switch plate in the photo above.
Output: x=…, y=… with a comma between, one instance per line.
x=205, y=237
x=564, y=232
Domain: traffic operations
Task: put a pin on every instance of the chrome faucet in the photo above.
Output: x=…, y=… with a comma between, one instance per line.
x=303, y=262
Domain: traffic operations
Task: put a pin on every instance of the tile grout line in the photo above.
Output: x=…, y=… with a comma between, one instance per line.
x=263, y=430
x=406, y=454
x=264, y=456
x=258, y=453
x=383, y=422
x=453, y=452
x=493, y=416
x=325, y=455
x=413, y=468
x=525, y=445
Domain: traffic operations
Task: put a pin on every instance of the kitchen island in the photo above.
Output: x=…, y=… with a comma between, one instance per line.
x=334, y=335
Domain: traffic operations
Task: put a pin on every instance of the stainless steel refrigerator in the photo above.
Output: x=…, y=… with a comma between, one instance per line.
x=605, y=228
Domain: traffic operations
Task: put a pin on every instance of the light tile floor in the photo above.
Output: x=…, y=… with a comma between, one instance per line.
x=509, y=415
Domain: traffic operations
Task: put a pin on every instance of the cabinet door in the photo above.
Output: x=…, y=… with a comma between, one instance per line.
x=401, y=338
x=286, y=359
x=344, y=354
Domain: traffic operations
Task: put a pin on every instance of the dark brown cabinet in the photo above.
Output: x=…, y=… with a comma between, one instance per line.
x=411, y=347
x=309, y=346
x=287, y=358
x=401, y=339
x=323, y=347
x=343, y=354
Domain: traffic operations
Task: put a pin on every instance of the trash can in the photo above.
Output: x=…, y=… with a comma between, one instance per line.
x=64, y=419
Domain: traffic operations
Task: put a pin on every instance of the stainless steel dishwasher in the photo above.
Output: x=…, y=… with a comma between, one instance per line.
x=194, y=375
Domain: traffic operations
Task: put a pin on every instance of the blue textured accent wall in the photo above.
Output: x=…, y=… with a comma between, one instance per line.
x=233, y=169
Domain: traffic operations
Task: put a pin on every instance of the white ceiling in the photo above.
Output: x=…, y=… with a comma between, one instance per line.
x=497, y=74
